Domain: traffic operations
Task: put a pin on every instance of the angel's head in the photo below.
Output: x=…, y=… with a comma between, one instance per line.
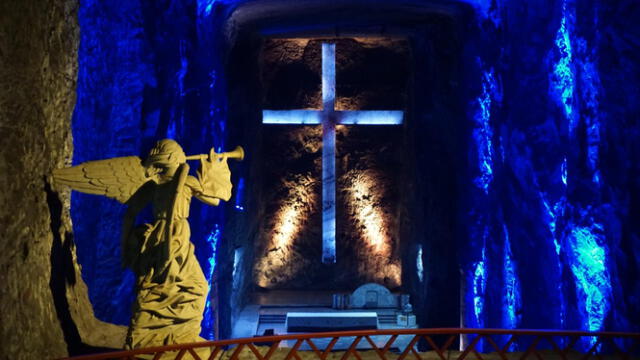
x=165, y=158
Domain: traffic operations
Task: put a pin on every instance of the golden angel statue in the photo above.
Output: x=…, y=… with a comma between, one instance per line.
x=171, y=289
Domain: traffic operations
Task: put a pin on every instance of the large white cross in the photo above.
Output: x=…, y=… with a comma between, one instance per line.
x=329, y=117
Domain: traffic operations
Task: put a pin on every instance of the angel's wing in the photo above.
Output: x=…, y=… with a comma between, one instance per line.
x=117, y=178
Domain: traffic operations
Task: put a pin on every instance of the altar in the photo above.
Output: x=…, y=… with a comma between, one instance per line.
x=286, y=312
x=331, y=321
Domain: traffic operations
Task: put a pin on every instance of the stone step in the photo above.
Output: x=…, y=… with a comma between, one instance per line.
x=282, y=318
x=273, y=318
x=387, y=319
x=331, y=321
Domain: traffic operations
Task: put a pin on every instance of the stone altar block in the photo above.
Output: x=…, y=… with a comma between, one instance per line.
x=372, y=296
x=331, y=321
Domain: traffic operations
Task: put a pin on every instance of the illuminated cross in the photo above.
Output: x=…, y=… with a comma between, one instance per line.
x=329, y=118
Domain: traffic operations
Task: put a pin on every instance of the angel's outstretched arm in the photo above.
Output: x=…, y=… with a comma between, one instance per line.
x=213, y=182
x=200, y=193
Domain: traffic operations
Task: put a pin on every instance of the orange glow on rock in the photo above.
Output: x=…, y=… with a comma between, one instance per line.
x=369, y=214
x=280, y=262
x=288, y=226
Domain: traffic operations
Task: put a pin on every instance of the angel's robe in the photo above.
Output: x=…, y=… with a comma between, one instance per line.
x=171, y=287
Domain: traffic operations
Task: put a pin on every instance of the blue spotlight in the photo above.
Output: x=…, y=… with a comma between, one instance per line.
x=512, y=300
x=483, y=133
x=208, y=321
x=240, y=195
x=589, y=267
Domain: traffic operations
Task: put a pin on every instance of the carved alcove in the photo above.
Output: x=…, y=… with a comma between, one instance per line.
x=371, y=74
x=406, y=172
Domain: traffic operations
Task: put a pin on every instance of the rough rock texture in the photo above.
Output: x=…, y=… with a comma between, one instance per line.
x=370, y=163
x=37, y=71
x=619, y=48
x=371, y=73
x=46, y=311
x=290, y=243
x=551, y=187
x=116, y=77
x=435, y=148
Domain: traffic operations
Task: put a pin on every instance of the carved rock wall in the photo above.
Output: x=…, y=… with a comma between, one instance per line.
x=550, y=195
x=45, y=308
x=38, y=44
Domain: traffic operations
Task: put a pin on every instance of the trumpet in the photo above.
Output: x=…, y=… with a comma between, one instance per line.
x=237, y=153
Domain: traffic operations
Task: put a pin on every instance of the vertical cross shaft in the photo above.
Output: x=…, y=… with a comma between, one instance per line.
x=328, y=154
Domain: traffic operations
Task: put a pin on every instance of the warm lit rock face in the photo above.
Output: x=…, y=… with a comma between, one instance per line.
x=46, y=309
x=291, y=237
x=371, y=75
x=370, y=195
x=37, y=71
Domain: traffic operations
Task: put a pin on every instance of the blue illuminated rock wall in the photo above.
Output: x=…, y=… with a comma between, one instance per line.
x=107, y=122
x=147, y=71
x=550, y=196
x=552, y=192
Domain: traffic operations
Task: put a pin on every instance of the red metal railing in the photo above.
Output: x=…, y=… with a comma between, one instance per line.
x=398, y=344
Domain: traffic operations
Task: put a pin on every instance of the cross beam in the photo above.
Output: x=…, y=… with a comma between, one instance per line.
x=329, y=117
